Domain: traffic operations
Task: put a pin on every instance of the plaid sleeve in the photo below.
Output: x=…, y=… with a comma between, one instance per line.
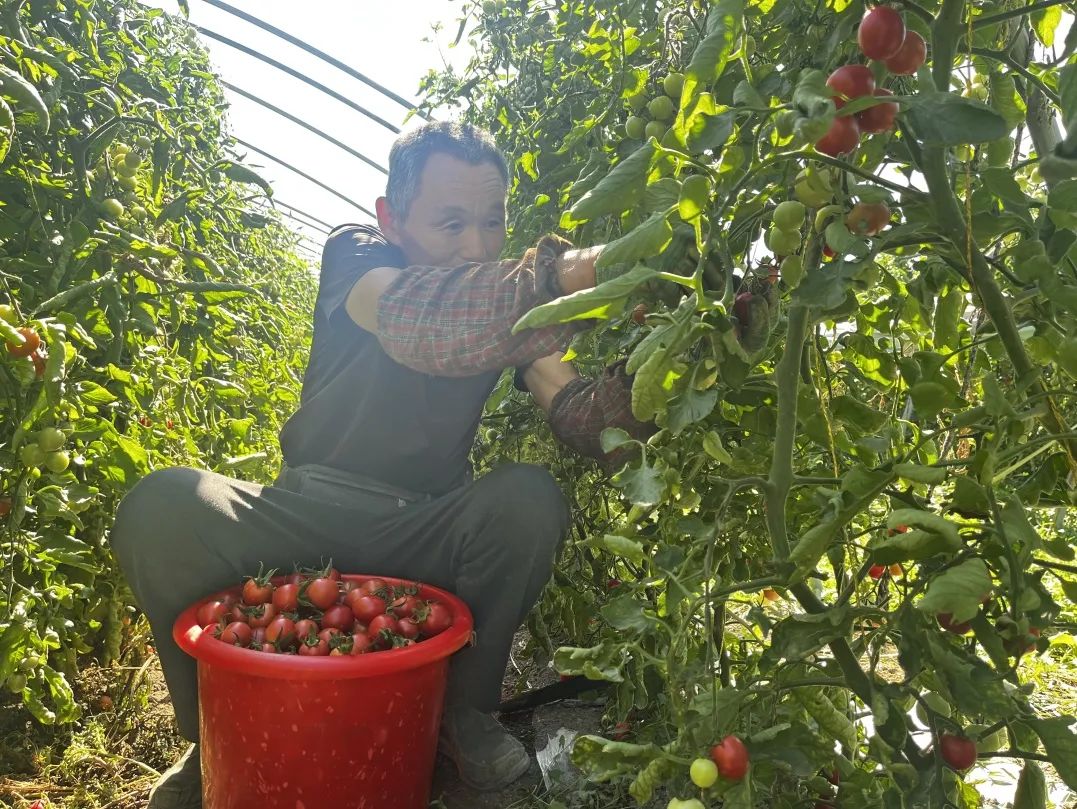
x=585, y=407
x=458, y=321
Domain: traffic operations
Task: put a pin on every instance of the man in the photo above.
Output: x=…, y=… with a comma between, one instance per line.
x=412, y=330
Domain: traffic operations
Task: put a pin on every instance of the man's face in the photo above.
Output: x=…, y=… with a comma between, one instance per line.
x=458, y=216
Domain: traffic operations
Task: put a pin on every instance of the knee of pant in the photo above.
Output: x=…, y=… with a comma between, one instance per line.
x=151, y=506
x=526, y=499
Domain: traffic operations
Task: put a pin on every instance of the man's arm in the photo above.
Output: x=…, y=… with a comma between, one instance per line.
x=458, y=321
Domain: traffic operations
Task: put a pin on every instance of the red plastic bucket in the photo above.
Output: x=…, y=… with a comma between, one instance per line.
x=290, y=732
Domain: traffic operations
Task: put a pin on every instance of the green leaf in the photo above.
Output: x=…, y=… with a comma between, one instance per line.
x=1057, y=735
x=627, y=613
x=914, y=545
x=694, y=198
x=1031, y=788
x=1005, y=100
x=957, y=590
x=710, y=131
x=643, y=485
x=1046, y=23
x=712, y=445
x=1067, y=90
x=850, y=410
x=620, y=189
x=689, y=407
x=619, y=546
x=602, y=302
x=915, y=518
x=245, y=174
x=917, y=473
x=602, y=662
x=713, y=51
x=614, y=438
x=647, y=239
x=652, y=383
x=930, y=398
x=799, y=636
x=950, y=120
x=603, y=759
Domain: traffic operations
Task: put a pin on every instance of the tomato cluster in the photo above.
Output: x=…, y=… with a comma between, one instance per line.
x=314, y=613
x=882, y=36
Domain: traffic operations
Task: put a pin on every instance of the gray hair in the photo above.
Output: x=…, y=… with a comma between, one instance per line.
x=411, y=150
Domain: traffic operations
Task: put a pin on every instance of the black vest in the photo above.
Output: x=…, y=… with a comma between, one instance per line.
x=363, y=412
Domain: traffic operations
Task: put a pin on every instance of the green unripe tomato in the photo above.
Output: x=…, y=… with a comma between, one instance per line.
x=691, y=803
x=235, y=340
x=1067, y=356
x=16, y=683
x=57, y=462
x=132, y=161
x=31, y=455
x=810, y=195
x=637, y=102
x=655, y=129
x=792, y=271
x=144, y=142
x=661, y=108
x=139, y=213
x=112, y=208
x=7, y=312
x=119, y=148
x=789, y=215
x=704, y=773
x=963, y=153
x=127, y=182
x=51, y=439
x=783, y=242
x=635, y=127
x=991, y=743
x=673, y=83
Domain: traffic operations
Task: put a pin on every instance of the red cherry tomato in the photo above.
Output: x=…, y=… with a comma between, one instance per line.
x=262, y=615
x=281, y=632
x=408, y=628
x=842, y=137
x=305, y=629
x=380, y=627
x=910, y=56
x=851, y=81
x=731, y=756
x=339, y=617
x=38, y=359
x=255, y=592
x=877, y=571
x=959, y=752
x=258, y=636
x=827, y=251
x=322, y=592
x=879, y=118
x=212, y=612
x=365, y=606
x=30, y=345
x=238, y=613
x=328, y=634
x=286, y=598
x=361, y=643
x=901, y=529
x=269, y=648
x=377, y=587
x=881, y=33
x=314, y=647
x=946, y=621
x=236, y=634
x=213, y=630
x=436, y=620
x=405, y=606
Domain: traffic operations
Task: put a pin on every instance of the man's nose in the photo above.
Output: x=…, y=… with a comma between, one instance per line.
x=472, y=247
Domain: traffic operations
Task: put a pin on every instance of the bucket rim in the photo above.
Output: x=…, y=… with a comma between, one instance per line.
x=188, y=634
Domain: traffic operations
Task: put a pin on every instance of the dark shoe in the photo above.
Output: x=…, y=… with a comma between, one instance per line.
x=487, y=756
x=181, y=785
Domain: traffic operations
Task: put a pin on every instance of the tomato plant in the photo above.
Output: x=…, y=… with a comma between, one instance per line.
x=125, y=271
x=916, y=382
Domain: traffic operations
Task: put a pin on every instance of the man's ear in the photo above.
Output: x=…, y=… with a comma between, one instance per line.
x=387, y=220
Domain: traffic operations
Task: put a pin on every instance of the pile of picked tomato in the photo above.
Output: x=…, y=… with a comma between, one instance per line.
x=882, y=36
x=315, y=613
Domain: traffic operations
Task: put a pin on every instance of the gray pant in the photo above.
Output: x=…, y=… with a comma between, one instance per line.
x=181, y=534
